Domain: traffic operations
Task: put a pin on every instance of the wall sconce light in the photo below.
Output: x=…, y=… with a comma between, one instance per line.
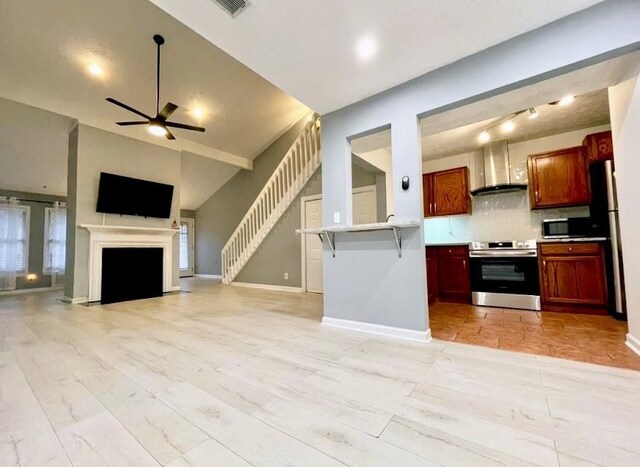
x=32, y=277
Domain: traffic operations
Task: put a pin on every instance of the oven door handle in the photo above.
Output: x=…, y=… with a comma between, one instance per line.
x=503, y=254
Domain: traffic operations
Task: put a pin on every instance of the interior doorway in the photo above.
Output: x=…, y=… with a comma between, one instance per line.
x=312, y=245
x=187, y=247
x=365, y=210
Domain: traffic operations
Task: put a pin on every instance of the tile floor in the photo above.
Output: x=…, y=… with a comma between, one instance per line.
x=585, y=338
x=226, y=376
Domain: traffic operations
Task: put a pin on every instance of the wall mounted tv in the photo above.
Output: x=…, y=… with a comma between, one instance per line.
x=135, y=197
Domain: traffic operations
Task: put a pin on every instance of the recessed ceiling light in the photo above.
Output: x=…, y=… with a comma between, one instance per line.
x=484, y=137
x=157, y=130
x=533, y=113
x=198, y=113
x=566, y=100
x=95, y=69
x=366, y=48
x=508, y=126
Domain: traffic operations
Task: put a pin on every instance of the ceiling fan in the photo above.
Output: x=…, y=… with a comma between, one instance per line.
x=158, y=125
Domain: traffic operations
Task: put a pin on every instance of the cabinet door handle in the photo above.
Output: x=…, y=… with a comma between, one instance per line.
x=544, y=264
x=464, y=263
x=570, y=249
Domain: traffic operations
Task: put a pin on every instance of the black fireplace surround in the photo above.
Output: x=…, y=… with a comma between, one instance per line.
x=131, y=274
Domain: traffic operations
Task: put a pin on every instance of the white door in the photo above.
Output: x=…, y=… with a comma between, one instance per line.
x=313, y=246
x=364, y=205
x=187, y=247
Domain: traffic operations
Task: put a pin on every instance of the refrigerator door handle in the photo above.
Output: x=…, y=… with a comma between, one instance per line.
x=616, y=256
x=612, y=202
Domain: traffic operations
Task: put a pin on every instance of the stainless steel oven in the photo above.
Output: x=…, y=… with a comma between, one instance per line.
x=505, y=274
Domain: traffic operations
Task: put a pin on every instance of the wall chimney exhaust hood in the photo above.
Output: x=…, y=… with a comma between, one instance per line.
x=496, y=170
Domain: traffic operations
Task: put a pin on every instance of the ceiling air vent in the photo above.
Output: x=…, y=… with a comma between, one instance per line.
x=233, y=7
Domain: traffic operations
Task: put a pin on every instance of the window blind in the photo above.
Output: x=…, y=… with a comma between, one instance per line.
x=55, y=240
x=14, y=240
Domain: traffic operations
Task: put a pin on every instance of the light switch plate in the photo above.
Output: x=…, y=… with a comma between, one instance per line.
x=336, y=217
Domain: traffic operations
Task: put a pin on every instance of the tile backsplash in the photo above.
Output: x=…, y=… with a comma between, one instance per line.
x=503, y=216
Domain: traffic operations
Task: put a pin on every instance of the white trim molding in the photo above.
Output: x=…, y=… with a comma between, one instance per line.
x=176, y=288
x=34, y=290
x=378, y=329
x=209, y=276
x=633, y=343
x=277, y=288
x=75, y=301
x=108, y=236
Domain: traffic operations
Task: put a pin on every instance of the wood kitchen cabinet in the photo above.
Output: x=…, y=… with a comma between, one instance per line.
x=573, y=277
x=559, y=178
x=599, y=146
x=446, y=193
x=433, y=288
x=448, y=276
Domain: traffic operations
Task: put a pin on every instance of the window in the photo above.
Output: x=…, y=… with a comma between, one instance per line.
x=14, y=243
x=55, y=239
x=184, y=246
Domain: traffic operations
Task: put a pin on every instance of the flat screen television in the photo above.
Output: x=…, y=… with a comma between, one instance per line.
x=134, y=197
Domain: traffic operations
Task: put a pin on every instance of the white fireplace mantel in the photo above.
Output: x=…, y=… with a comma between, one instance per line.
x=112, y=236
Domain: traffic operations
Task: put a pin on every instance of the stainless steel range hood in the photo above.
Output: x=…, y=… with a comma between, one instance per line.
x=495, y=168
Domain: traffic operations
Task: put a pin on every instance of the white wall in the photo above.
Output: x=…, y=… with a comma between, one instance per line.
x=624, y=103
x=381, y=158
x=504, y=216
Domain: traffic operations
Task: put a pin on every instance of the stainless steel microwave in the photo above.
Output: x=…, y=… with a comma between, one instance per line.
x=567, y=228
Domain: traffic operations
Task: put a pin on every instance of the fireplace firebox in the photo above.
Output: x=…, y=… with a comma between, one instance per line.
x=131, y=274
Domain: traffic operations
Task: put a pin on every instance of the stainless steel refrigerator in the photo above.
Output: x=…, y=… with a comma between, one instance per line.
x=604, y=215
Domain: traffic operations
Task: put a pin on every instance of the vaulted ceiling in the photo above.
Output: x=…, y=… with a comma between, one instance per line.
x=46, y=47
x=309, y=48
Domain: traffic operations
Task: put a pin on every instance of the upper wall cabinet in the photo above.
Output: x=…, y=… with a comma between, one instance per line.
x=599, y=146
x=559, y=178
x=446, y=192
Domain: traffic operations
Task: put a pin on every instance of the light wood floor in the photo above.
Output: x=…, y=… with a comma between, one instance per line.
x=229, y=376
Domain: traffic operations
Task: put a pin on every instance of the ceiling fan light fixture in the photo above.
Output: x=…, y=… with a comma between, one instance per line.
x=157, y=130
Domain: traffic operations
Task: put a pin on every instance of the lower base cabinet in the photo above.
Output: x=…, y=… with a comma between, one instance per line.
x=573, y=277
x=448, y=274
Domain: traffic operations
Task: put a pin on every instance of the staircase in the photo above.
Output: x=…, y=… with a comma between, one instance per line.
x=292, y=174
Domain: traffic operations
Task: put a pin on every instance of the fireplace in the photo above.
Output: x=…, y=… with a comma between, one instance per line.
x=103, y=238
x=131, y=274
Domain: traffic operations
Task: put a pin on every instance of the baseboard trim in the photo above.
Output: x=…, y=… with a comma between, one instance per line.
x=175, y=288
x=75, y=301
x=208, y=276
x=378, y=329
x=34, y=290
x=633, y=343
x=277, y=288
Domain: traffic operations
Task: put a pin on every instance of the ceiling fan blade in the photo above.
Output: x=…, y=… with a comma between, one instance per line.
x=131, y=123
x=167, y=110
x=184, y=127
x=125, y=106
x=169, y=135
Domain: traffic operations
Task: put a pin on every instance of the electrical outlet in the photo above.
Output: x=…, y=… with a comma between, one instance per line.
x=286, y=276
x=336, y=217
